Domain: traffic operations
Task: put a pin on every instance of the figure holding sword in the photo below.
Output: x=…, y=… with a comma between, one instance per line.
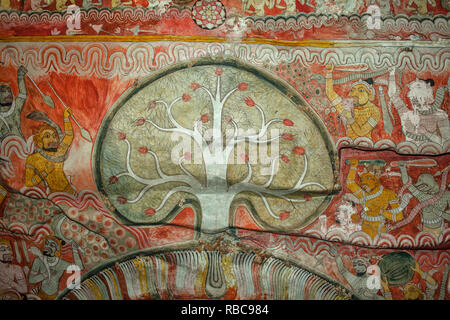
x=434, y=200
x=11, y=107
x=379, y=204
x=46, y=165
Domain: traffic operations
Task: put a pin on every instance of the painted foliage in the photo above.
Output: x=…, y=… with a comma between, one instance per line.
x=224, y=149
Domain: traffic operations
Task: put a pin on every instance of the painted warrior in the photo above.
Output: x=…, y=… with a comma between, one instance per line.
x=48, y=267
x=426, y=122
x=359, y=281
x=46, y=165
x=427, y=190
x=10, y=107
x=12, y=278
x=378, y=203
x=365, y=116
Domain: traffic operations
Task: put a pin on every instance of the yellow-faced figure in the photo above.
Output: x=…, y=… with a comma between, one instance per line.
x=362, y=92
x=378, y=204
x=365, y=115
x=369, y=182
x=46, y=138
x=6, y=255
x=46, y=165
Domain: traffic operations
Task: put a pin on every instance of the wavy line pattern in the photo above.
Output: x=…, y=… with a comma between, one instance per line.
x=19, y=230
x=14, y=145
x=438, y=24
x=398, y=24
x=423, y=240
x=316, y=248
x=404, y=147
x=104, y=15
x=132, y=60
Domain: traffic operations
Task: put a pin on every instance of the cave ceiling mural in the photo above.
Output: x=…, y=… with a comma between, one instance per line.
x=176, y=149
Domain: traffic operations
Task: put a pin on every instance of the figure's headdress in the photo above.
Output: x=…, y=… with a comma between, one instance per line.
x=55, y=239
x=5, y=242
x=362, y=259
x=368, y=83
x=42, y=117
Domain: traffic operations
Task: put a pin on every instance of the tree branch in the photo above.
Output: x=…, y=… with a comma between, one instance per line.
x=280, y=193
x=249, y=174
x=169, y=112
x=272, y=172
x=227, y=96
x=209, y=93
x=194, y=134
x=183, y=168
x=266, y=204
x=188, y=179
x=158, y=167
x=171, y=192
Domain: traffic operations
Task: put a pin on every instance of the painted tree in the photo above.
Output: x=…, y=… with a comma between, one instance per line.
x=231, y=116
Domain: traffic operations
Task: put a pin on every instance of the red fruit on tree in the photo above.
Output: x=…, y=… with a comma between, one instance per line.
x=121, y=200
x=245, y=157
x=299, y=150
x=249, y=101
x=186, y=97
x=288, y=122
x=113, y=180
x=219, y=71
x=205, y=118
x=143, y=150
x=152, y=104
x=284, y=215
x=122, y=136
x=308, y=197
x=285, y=158
x=287, y=136
x=195, y=86
x=242, y=86
x=140, y=121
x=149, y=212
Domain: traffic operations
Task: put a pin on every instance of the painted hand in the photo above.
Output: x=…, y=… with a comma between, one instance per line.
x=392, y=71
x=416, y=268
x=330, y=68
x=22, y=71
x=67, y=112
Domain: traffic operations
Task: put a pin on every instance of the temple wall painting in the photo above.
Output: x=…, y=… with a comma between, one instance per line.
x=224, y=149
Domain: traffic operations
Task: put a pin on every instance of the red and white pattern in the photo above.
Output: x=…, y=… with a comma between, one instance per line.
x=208, y=14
